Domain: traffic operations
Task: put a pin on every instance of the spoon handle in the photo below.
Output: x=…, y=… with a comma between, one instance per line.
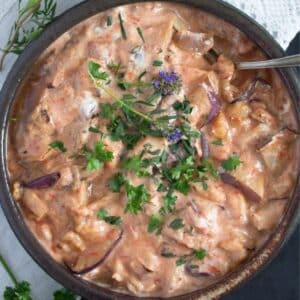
x=287, y=61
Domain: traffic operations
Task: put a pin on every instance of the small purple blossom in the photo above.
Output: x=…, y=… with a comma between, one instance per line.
x=175, y=136
x=169, y=77
x=167, y=83
x=155, y=84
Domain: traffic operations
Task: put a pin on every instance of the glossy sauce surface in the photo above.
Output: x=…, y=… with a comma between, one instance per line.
x=220, y=224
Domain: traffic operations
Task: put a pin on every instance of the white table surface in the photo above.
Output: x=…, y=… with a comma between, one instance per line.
x=276, y=16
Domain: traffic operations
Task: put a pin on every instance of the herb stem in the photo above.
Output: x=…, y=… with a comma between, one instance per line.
x=108, y=92
x=14, y=34
x=8, y=270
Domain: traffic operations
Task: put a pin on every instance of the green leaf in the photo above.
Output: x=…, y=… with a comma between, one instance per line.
x=123, y=32
x=181, y=261
x=231, y=163
x=109, y=21
x=94, y=71
x=139, y=30
x=58, y=145
x=176, y=224
x=154, y=223
x=31, y=5
x=209, y=167
x=217, y=142
x=133, y=163
x=112, y=220
x=97, y=157
x=169, y=201
x=94, y=129
x=21, y=291
x=157, y=63
x=200, y=254
x=136, y=197
x=116, y=182
x=64, y=294
x=168, y=254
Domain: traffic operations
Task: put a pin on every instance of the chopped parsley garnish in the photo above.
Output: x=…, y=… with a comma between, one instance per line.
x=94, y=129
x=184, y=106
x=176, y=224
x=96, y=157
x=181, y=261
x=154, y=223
x=139, y=30
x=116, y=182
x=109, y=21
x=157, y=63
x=169, y=202
x=168, y=254
x=112, y=220
x=217, y=142
x=116, y=68
x=136, y=197
x=133, y=163
x=123, y=32
x=58, y=145
x=64, y=294
x=200, y=254
x=94, y=70
x=231, y=163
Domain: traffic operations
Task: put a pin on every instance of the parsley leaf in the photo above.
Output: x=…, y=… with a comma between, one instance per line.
x=94, y=70
x=94, y=129
x=231, y=163
x=133, y=163
x=96, y=157
x=139, y=30
x=64, y=294
x=217, y=142
x=184, y=106
x=154, y=223
x=169, y=202
x=116, y=182
x=181, y=261
x=136, y=196
x=200, y=254
x=21, y=291
x=123, y=32
x=109, y=21
x=112, y=220
x=176, y=224
x=157, y=63
x=58, y=145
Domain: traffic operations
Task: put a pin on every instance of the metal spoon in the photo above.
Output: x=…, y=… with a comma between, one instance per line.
x=287, y=61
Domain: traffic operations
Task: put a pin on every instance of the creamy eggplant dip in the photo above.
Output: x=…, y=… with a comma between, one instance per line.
x=142, y=159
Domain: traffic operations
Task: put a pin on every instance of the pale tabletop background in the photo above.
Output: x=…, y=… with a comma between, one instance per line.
x=280, y=17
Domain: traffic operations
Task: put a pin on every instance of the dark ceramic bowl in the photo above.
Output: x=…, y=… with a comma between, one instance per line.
x=20, y=69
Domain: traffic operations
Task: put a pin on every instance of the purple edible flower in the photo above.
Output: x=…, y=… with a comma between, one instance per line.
x=175, y=136
x=156, y=83
x=167, y=83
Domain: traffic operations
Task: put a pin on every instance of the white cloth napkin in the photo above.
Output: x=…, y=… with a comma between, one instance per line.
x=280, y=17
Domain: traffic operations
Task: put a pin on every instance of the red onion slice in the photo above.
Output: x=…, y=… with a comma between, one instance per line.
x=215, y=106
x=101, y=260
x=194, y=271
x=247, y=192
x=250, y=90
x=43, y=182
x=204, y=146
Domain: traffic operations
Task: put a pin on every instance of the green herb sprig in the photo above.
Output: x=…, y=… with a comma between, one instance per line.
x=38, y=14
x=22, y=289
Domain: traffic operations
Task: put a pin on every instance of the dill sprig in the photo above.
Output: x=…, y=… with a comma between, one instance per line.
x=37, y=13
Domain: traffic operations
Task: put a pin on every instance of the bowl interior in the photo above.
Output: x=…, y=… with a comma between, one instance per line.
x=13, y=214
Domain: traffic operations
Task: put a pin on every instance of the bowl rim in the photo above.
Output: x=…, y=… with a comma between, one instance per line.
x=61, y=24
